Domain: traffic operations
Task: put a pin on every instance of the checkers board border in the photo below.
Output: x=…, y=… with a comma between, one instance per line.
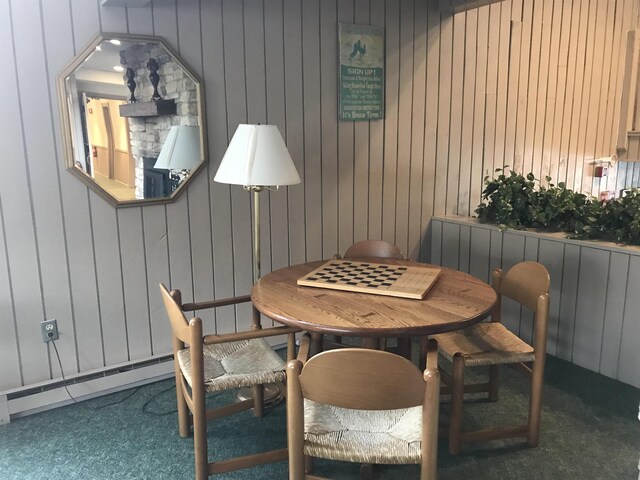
x=403, y=281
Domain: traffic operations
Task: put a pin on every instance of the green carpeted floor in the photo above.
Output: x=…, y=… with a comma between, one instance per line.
x=590, y=430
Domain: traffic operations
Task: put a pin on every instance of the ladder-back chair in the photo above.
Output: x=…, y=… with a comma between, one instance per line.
x=491, y=344
x=214, y=363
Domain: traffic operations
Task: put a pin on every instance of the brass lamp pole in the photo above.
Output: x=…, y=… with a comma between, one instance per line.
x=257, y=159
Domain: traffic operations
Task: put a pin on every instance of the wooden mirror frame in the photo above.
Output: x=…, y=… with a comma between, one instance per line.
x=66, y=117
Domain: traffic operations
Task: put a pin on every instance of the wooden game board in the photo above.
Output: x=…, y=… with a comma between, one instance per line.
x=374, y=278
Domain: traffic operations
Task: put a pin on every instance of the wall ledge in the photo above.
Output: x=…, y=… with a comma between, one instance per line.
x=553, y=236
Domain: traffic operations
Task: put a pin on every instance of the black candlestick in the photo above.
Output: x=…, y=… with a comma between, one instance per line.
x=153, y=67
x=131, y=83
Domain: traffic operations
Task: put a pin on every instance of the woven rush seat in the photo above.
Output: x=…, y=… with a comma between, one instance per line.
x=236, y=364
x=485, y=344
x=367, y=436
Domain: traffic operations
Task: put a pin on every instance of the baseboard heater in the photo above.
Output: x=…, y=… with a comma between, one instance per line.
x=33, y=399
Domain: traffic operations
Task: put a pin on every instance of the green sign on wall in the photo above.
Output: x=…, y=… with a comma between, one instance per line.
x=361, y=72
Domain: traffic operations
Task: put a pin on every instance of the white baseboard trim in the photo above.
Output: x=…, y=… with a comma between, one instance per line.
x=40, y=401
x=96, y=387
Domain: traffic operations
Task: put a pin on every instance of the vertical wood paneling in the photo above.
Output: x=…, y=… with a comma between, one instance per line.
x=109, y=283
x=376, y=143
x=405, y=107
x=156, y=249
x=569, y=289
x=361, y=152
x=629, y=352
x=491, y=87
x=294, y=127
x=328, y=86
x=136, y=292
x=477, y=153
x=235, y=85
x=44, y=173
x=431, y=121
x=9, y=356
x=450, y=245
x=479, y=265
x=618, y=278
x=514, y=83
x=390, y=155
x=512, y=253
x=468, y=102
x=415, y=232
x=444, y=113
x=435, y=256
x=220, y=196
x=346, y=152
x=464, y=251
x=452, y=173
x=19, y=208
x=550, y=255
x=592, y=289
x=503, y=78
x=312, y=136
x=190, y=45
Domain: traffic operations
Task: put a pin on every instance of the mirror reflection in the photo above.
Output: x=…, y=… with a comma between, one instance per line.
x=133, y=112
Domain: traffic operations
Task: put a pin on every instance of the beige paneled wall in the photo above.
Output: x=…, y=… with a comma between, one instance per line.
x=531, y=84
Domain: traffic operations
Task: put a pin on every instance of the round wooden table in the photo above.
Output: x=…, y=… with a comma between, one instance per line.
x=455, y=301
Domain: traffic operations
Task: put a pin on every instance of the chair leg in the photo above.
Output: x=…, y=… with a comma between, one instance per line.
x=257, y=392
x=493, y=383
x=200, y=437
x=183, y=410
x=457, y=397
x=366, y=471
x=404, y=347
x=308, y=464
x=535, y=404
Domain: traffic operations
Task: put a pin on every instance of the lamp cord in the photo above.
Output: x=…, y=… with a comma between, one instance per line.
x=64, y=384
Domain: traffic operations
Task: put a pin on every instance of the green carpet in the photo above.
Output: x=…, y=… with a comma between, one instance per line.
x=590, y=430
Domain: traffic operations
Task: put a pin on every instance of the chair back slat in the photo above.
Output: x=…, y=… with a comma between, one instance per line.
x=524, y=283
x=179, y=323
x=373, y=248
x=362, y=379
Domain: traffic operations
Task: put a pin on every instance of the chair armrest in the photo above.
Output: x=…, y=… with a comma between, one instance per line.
x=248, y=335
x=188, y=307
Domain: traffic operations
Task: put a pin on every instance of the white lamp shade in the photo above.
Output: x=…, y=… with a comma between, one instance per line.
x=181, y=149
x=257, y=156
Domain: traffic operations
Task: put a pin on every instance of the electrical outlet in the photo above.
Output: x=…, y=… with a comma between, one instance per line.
x=49, y=330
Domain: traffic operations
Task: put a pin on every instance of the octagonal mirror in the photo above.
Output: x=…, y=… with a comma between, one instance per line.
x=132, y=119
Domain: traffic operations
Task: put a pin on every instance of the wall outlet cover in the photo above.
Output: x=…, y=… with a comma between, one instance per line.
x=49, y=330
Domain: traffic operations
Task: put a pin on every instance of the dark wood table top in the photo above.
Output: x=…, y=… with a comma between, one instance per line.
x=457, y=300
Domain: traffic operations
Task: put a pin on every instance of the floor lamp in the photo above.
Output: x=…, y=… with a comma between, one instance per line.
x=257, y=159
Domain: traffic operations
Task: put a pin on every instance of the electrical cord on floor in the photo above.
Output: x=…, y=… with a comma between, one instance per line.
x=145, y=409
x=64, y=384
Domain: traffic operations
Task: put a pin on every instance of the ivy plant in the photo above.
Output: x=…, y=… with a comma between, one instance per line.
x=516, y=201
x=508, y=200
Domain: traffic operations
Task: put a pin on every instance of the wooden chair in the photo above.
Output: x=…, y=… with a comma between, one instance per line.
x=363, y=406
x=378, y=249
x=213, y=363
x=373, y=248
x=491, y=344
